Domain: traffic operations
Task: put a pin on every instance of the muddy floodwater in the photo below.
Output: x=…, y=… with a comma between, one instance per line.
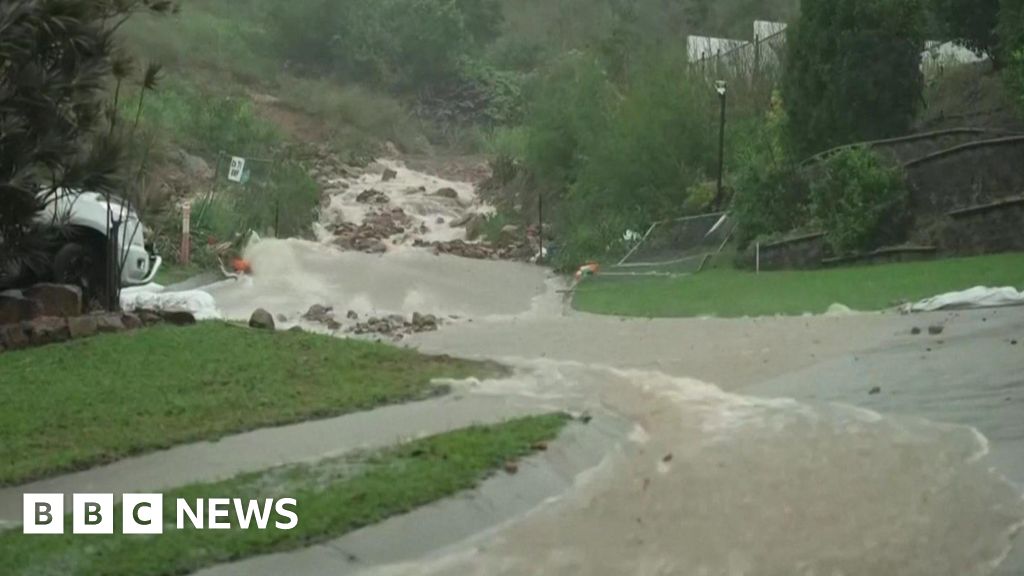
x=753, y=447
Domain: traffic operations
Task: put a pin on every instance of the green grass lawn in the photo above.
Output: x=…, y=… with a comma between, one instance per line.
x=333, y=497
x=70, y=406
x=732, y=293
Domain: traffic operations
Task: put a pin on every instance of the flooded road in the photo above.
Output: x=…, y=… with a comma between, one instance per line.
x=756, y=448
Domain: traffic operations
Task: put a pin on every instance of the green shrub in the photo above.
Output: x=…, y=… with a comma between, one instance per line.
x=860, y=201
x=771, y=195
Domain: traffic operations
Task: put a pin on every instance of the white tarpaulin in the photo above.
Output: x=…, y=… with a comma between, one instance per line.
x=978, y=297
x=200, y=304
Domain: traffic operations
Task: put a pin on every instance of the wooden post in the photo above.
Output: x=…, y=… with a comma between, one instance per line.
x=757, y=258
x=186, y=233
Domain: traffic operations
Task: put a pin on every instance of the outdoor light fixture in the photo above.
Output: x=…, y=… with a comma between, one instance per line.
x=720, y=86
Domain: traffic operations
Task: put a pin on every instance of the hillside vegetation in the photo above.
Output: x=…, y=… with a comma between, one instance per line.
x=590, y=105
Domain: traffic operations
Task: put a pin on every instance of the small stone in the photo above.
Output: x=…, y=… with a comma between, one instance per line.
x=107, y=323
x=876, y=390
x=668, y=458
x=915, y=330
x=281, y=318
x=388, y=175
x=262, y=320
x=936, y=329
x=333, y=325
x=449, y=193
x=439, y=221
x=539, y=446
x=131, y=321
x=1013, y=342
x=511, y=467
x=82, y=327
x=352, y=315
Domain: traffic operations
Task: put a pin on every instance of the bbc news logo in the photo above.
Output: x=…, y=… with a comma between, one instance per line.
x=144, y=514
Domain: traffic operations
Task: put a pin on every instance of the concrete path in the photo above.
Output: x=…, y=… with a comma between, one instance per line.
x=428, y=531
x=261, y=449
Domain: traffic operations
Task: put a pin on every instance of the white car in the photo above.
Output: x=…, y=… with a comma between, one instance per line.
x=81, y=259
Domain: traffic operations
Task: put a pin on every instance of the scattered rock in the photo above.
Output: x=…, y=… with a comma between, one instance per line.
x=262, y=320
x=318, y=313
x=56, y=299
x=539, y=446
x=388, y=175
x=82, y=327
x=1013, y=342
x=439, y=221
x=281, y=317
x=15, y=308
x=668, y=458
x=875, y=391
x=352, y=315
x=915, y=331
x=296, y=329
x=333, y=325
x=372, y=196
x=449, y=193
x=511, y=467
x=936, y=329
x=396, y=325
x=479, y=250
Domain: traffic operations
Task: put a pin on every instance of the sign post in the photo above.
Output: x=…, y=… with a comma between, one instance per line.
x=236, y=172
x=186, y=233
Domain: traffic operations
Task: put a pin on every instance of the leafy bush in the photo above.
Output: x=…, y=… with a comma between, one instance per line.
x=853, y=71
x=860, y=201
x=971, y=22
x=1011, y=37
x=771, y=195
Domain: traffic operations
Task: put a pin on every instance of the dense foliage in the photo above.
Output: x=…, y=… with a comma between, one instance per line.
x=56, y=59
x=860, y=201
x=971, y=22
x=771, y=193
x=853, y=71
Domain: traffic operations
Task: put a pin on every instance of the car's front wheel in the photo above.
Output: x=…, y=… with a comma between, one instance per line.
x=83, y=265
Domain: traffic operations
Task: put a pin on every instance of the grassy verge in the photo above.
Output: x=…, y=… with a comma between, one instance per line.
x=732, y=293
x=94, y=401
x=333, y=497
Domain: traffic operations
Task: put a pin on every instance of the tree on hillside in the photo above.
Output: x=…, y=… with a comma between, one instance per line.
x=1011, y=44
x=853, y=71
x=972, y=23
x=55, y=71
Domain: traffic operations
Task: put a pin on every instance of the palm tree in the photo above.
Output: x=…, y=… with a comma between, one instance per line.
x=57, y=60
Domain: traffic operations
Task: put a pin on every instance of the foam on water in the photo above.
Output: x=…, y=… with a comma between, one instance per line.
x=727, y=484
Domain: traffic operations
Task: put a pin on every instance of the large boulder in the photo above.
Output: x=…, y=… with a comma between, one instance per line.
x=108, y=322
x=262, y=320
x=388, y=175
x=15, y=308
x=58, y=300
x=372, y=196
x=319, y=313
x=475, y=226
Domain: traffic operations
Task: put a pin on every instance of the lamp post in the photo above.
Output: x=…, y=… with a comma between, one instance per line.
x=720, y=87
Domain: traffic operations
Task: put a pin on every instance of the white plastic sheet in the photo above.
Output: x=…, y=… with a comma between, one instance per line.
x=201, y=304
x=977, y=297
